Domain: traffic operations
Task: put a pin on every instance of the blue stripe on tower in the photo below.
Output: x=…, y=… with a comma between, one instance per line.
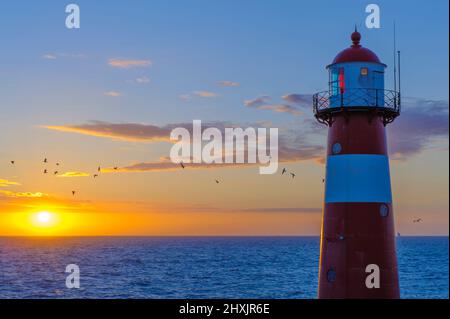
x=358, y=178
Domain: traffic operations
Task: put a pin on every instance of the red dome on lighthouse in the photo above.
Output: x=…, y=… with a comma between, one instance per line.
x=356, y=53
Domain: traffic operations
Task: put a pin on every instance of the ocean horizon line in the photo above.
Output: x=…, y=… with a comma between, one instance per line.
x=194, y=236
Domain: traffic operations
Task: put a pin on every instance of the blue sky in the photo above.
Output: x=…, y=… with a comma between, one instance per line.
x=269, y=47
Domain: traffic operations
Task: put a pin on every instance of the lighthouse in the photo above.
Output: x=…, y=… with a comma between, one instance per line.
x=357, y=254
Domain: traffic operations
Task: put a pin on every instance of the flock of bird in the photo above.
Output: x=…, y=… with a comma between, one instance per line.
x=183, y=166
x=56, y=172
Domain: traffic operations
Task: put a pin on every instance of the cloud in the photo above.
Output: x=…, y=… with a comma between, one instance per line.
x=303, y=100
x=49, y=56
x=142, y=80
x=22, y=194
x=295, y=143
x=54, y=56
x=421, y=122
x=205, y=94
x=202, y=94
x=74, y=174
x=119, y=131
x=261, y=103
x=4, y=183
x=257, y=102
x=228, y=83
x=280, y=108
x=113, y=93
x=126, y=64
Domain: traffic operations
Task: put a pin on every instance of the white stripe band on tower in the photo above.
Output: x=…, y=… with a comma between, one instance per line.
x=358, y=178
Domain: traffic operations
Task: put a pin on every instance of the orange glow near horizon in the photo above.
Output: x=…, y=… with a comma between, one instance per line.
x=45, y=223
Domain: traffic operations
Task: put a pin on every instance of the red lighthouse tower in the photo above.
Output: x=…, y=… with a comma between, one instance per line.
x=358, y=255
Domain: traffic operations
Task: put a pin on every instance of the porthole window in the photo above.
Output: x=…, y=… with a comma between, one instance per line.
x=364, y=71
x=337, y=148
x=331, y=275
x=384, y=210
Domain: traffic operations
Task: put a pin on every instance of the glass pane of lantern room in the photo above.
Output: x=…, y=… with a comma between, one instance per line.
x=334, y=82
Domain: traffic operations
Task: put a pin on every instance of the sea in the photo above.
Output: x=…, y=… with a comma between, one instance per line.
x=195, y=267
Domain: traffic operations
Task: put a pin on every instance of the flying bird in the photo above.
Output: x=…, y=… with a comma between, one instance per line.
x=45, y=171
x=182, y=165
x=45, y=160
x=283, y=171
x=217, y=181
x=99, y=169
x=417, y=220
x=55, y=172
x=12, y=162
x=323, y=180
x=115, y=167
x=95, y=175
x=293, y=175
x=73, y=193
x=57, y=164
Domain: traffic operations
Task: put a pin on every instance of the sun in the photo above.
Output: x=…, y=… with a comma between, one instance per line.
x=44, y=219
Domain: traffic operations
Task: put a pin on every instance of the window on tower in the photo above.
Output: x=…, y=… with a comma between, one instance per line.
x=337, y=81
x=364, y=71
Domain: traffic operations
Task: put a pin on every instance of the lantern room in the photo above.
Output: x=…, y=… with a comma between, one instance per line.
x=356, y=83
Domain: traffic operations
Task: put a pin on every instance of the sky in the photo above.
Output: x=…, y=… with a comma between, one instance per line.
x=109, y=93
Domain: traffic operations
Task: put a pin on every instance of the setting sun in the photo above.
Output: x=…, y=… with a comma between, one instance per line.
x=44, y=219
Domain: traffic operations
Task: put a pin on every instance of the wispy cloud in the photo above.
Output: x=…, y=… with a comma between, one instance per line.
x=166, y=165
x=74, y=174
x=303, y=100
x=228, y=83
x=293, y=146
x=280, y=108
x=205, y=94
x=118, y=131
x=261, y=103
x=128, y=63
x=54, y=56
x=421, y=122
x=4, y=183
x=113, y=93
x=142, y=80
x=21, y=194
x=257, y=102
x=202, y=94
x=49, y=56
